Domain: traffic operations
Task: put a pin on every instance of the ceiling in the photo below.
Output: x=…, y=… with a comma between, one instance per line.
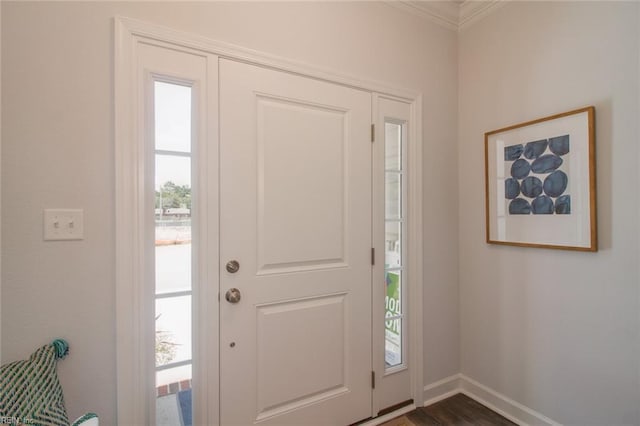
x=452, y=14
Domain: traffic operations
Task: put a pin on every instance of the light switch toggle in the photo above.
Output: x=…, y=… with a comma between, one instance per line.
x=63, y=224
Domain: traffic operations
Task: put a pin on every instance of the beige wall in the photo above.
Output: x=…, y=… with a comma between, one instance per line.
x=58, y=151
x=556, y=331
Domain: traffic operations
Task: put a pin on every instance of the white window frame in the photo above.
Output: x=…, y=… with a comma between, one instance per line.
x=398, y=110
x=135, y=289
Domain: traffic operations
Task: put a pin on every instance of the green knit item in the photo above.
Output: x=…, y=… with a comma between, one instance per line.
x=62, y=348
x=30, y=391
x=89, y=418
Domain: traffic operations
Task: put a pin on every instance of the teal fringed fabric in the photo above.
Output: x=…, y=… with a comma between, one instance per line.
x=87, y=419
x=62, y=348
x=30, y=391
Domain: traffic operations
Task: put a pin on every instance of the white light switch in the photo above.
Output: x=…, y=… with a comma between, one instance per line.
x=63, y=224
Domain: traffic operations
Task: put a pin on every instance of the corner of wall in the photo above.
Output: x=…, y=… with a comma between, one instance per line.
x=501, y=404
x=441, y=389
x=534, y=345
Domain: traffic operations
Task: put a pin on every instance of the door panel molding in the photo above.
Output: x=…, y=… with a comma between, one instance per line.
x=328, y=380
x=283, y=181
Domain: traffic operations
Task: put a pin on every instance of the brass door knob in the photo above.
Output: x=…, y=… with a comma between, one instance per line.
x=233, y=295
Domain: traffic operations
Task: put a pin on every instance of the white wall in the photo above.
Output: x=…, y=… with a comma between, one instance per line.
x=58, y=152
x=557, y=331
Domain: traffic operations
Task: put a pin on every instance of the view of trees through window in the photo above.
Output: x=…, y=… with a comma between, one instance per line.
x=171, y=195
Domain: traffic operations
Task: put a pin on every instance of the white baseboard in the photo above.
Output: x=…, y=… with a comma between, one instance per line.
x=501, y=404
x=442, y=389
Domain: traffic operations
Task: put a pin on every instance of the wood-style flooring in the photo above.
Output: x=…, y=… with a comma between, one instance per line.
x=458, y=410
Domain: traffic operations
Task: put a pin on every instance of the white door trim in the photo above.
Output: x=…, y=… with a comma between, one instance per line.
x=415, y=243
x=129, y=205
x=129, y=238
x=226, y=50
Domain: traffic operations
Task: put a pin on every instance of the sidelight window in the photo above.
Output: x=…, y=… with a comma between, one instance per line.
x=173, y=252
x=394, y=241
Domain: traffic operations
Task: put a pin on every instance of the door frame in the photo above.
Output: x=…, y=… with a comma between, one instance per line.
x=132, y=328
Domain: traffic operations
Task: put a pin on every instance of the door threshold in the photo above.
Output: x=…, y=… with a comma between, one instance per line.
x=374, y=421
x=395, y=407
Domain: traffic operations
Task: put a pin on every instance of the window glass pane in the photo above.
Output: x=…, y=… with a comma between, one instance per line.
x=173, y=375
x=172, y=117
x=173, y=175
x=393, y=245
x=173, y=253
x=173, y=267
x=393, y=146
x=173, y=330
x=393, y=195
x=173, y=206
x=393, y=319
x=173, y=391
x=394, y=218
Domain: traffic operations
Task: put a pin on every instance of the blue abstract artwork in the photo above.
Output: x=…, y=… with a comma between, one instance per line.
x=536, y=180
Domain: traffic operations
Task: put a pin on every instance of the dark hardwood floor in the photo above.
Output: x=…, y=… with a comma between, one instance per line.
x=458, y=410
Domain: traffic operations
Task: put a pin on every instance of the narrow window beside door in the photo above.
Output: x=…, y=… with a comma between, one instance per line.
x=394, y=240
x=173, y=252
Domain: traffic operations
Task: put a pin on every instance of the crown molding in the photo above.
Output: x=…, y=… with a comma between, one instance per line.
x=443, y=13
x=451, y=14
x=474, y=10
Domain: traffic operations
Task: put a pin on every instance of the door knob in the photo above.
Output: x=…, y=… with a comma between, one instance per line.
x=233, y=295
x=232, y=266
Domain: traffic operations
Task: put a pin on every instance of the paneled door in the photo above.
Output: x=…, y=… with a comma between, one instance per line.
x=295, y=246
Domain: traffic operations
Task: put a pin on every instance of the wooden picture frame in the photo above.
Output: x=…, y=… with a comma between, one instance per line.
x=540, y=183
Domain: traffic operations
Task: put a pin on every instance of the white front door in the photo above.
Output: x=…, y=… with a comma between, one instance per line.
x=295, y=179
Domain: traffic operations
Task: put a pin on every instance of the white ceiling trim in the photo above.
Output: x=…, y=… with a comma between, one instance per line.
x=451, y=14
x=442, y=13
x=472, y=11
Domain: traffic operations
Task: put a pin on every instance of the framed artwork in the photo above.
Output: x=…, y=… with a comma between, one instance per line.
x=541, y=183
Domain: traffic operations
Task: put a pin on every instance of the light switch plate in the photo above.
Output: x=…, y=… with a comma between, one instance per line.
x=63, y=224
